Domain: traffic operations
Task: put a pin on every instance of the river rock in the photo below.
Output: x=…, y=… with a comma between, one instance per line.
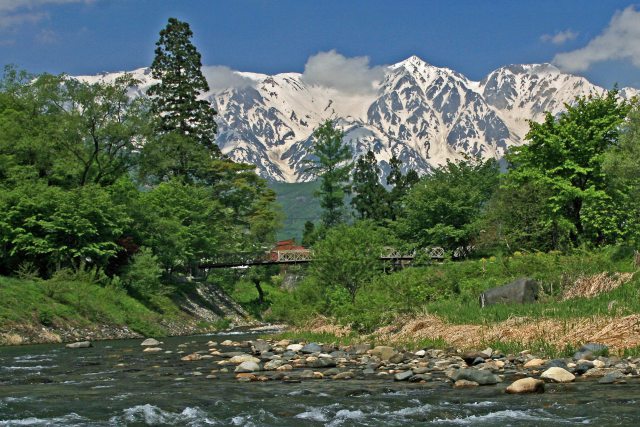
x=227, y=343
x=479, y=376
x=272, y=365
x=598, y=364
x=596, y=373
x=79, y=344
x=248, y=366
x=150, y=342
x=465, y=384
x=558, y=375
x=285, y=367
x=471, y=356
x=526, y=385
x=615, y=377
x=260, y=346
x=295, y=347
x=534, y=363
x=384, y=352
x=246, y=377
x=558, y=363
x=347, y=375
x=419, y=378
x=322, y=362
x=420, y=353
x=420, y=370
x=312, y=347
x=191, y=357
x=243, y=358
x=152, y=350
x=360, y=348
x=590, y=351
x=403, y=376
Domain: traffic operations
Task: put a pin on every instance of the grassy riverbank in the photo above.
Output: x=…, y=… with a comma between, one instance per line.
x=585, y=296
x=68, y=309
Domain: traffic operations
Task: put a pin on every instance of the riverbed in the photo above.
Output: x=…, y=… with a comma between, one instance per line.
x=116, y=383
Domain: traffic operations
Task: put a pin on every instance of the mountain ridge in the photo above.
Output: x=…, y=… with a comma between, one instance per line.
x=423, y=114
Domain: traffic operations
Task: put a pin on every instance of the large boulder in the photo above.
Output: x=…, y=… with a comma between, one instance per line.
x=522, y=291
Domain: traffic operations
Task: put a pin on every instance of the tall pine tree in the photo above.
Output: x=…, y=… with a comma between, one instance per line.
x=370, y=196
x=175, y=97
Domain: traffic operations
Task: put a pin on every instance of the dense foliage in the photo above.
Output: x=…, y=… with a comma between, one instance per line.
x=131, y=189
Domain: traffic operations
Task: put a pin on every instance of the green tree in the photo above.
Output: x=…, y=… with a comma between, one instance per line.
x=443, y=209
x=331, y=162
x=565, y=154
x=399, y=184
x=186, y=125
x=177, y=65
x=621, y=165
x=56, y=228
x=370, y=197
x=348, y=258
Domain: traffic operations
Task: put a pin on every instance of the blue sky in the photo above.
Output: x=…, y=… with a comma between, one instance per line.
x=595, y=38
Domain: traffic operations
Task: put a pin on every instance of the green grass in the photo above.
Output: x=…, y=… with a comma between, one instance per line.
x=72, y=303
x=451, y=290
x=298, y=206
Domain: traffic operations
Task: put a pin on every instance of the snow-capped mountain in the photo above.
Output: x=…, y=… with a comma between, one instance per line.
x=421, y=113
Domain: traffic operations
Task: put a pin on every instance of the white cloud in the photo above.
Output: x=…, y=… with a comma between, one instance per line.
x=331, y=69
x=220, y=78
x=47, y=36
x=560, y=37
x=17, y=12
x=619, y=41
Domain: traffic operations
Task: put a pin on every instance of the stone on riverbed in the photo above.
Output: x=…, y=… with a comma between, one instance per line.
x=295, y=347
x=260, y=346
x=79, y=344
x=343, y=376
x=534, y=363
x=248, y=366
x=526, y=385
x=191, y=357
x=558, y=375
x=152, y=350
x=384, y=352
x=312, y=347
x=465, y=384
x=591, y=351
x=272, y=365
x=403, y=376
x=150, y=342
x=479, y=376
x=243, y=358
x=615, y=377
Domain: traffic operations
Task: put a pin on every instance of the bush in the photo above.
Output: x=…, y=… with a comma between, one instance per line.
x=143, y=274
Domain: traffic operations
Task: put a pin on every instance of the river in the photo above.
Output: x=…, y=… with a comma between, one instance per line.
x=115, y=383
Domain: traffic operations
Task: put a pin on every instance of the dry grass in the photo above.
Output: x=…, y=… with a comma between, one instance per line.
x=324, y=325
x=10, y=339
x=591, y=286
x=616, y=332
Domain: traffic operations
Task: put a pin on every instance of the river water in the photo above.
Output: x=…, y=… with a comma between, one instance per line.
x=115, y=383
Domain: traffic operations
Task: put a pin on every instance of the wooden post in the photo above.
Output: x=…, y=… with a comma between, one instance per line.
x=636, y=259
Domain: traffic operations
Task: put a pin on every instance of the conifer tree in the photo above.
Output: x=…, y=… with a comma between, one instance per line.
x=185, y=121
x=370, y=196
x=331, y=164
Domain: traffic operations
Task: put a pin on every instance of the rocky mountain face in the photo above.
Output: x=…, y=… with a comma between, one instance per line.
x=421, y=113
